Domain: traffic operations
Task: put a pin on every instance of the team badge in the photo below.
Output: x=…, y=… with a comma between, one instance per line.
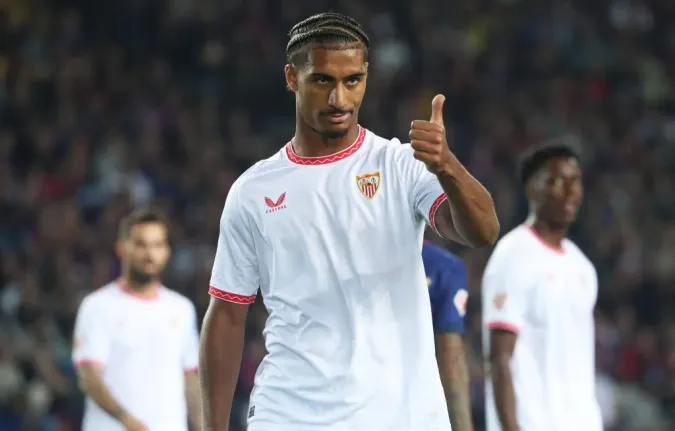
x=460, y=300
x=499, y=300
x=368, y=184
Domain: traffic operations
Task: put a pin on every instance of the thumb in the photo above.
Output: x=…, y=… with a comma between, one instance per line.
x=437, y=109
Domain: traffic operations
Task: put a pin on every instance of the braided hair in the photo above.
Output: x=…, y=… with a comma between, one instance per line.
x=329, y=30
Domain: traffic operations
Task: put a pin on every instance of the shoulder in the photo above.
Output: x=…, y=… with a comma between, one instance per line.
x=513, y=251
x=178, y=301
x=580, y=257
x=99, y=300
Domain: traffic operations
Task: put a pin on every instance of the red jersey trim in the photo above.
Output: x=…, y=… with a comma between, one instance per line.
x=88, y=362
x=559, y=250
x=432, y=211
x=190, y=370
x=231, y=297
x=152, y=295
x=323, y=160
x=505, y=326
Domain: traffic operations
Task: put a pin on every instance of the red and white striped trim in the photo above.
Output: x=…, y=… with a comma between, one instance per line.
x=505, y=326
x=323, y=160
x=434, y=207
x=231, y=297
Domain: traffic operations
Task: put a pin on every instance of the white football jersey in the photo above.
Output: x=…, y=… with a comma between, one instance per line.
x=334, y=243
x=144, y=346
x=547, y=297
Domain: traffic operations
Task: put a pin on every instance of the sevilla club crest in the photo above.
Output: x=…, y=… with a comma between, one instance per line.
x=368, y=184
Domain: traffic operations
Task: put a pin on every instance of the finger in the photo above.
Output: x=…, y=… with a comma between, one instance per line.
x=426, y=125
x=426, y=158
x=437, y=109
x=423, y=135
x=424, y=147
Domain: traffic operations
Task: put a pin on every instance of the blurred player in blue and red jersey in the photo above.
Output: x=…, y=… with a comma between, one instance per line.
x=446, y=277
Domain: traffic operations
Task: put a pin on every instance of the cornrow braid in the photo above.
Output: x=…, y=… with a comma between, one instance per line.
x=324, y=29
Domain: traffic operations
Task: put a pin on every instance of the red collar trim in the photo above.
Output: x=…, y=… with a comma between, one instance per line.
x=152, y=295
x=559, y=250
x=323, y=160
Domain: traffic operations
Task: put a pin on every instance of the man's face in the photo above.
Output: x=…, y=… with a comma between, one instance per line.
x=329, y=89
x=558, y=191
x=146, y=251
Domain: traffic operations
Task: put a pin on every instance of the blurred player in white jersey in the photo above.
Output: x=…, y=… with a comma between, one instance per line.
x=136, y=342
x=539, y=292
x=330, y=228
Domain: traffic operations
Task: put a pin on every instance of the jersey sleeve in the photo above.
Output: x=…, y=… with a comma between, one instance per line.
x=234, y=277
x=92, y=339
x=191, y=347
x=424, y=191
x=506, y=288
x=453, y=295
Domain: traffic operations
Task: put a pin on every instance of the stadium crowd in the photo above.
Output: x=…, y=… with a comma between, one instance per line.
x=107, y=106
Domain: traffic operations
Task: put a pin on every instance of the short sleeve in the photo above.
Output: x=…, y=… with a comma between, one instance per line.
x=191, y=347
x=424, y=191
x=235, y=277
x=506, y=288
x=91, y=340
x=449, y=311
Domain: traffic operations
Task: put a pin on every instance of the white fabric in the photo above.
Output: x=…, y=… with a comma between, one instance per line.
x=547, y=297
x=144, y=347
x=338, y=262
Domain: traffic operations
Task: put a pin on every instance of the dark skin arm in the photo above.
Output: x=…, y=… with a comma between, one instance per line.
x=220, y=350
x=468, y=216
x=91, y=383
x=452, y=366
x=502, y=344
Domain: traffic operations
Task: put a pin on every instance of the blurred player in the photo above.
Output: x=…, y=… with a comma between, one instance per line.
x=136, y=343
x=539, y=291
x=330, y=228
x=446, y=277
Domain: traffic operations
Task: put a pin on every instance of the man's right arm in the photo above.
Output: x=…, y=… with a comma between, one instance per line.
x=91, y=383
x=506, y=289
x=91, y=348
x=234, y=284
x=502, y=343
x=220, y=350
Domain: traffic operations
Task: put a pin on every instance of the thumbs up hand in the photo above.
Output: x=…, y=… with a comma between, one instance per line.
x=429, y=141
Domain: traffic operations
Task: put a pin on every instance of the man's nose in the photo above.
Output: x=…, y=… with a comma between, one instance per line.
x=336, y=99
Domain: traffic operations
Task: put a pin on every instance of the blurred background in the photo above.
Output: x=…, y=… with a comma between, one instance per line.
x=109, y=105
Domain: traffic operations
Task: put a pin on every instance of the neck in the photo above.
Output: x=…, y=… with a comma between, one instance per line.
x=146, y=289
x=549, y=233
x=309, y=143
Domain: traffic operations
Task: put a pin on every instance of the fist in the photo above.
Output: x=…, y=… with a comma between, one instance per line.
x=429, y=141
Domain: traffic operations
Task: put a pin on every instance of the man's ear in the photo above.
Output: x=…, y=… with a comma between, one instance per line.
x=291, y=77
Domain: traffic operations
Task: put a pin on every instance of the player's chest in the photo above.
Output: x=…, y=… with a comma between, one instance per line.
x=366, y=199
x=134, y=327
x=563, y=292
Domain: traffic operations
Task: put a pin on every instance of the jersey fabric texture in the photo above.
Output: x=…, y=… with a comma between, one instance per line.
x=547, y=297
x=334, y=245
x=144, y=347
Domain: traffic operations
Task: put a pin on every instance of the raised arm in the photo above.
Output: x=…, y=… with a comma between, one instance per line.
x=465, y=211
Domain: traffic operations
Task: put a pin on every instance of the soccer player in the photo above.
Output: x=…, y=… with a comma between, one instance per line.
x=330, y=228
x=539, y=291
x=136, y=342
x=446, y=277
